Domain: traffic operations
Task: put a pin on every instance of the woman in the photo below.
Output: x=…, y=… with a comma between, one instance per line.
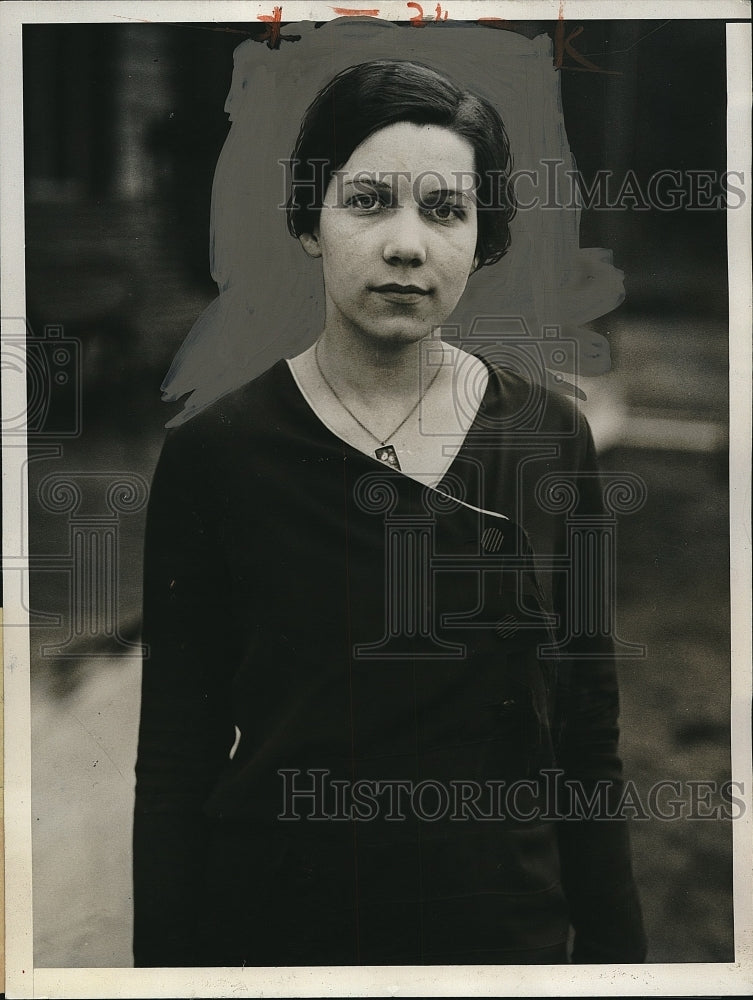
x=352, y=733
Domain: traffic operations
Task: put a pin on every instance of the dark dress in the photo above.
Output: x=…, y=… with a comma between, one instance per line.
x=382, y=649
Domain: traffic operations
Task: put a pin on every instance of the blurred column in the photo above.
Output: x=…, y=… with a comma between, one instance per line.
x=621, y=119
x=69, y=101
x=145, y=90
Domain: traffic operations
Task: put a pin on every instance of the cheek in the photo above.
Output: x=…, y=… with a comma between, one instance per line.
x=459, y=262
x=333, y=230
x=461, y=249
x=472, y=243
x=343, y=245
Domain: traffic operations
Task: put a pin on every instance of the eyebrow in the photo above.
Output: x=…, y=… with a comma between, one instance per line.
x=373, y=183
x=367, y=180
x=446, y=193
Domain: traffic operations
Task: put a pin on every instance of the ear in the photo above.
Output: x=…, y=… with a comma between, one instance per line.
x=476, y=262
x=310, y=243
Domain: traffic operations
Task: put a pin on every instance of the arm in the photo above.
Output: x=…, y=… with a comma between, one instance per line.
x=595, y=853
x=185, y=731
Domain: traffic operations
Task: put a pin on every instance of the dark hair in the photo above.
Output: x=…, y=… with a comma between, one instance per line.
x=368, y=97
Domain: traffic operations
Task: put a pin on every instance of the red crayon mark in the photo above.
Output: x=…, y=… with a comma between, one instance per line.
x=563, y=44
x=355, y=12
x=272, y=35
x=417, y=19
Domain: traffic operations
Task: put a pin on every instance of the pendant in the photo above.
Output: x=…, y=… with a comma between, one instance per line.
x=388, y=455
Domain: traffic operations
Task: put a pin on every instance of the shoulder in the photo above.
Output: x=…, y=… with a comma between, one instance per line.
x=226, y=440
x=525, y=407
x=252, y=408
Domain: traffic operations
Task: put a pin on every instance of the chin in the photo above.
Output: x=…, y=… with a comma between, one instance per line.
x=398, y=336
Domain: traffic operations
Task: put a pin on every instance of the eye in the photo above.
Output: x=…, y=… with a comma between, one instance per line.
x=447, y=211
x=365, y=202
x=444, y=210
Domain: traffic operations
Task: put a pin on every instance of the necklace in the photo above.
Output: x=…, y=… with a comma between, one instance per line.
x=385, y=452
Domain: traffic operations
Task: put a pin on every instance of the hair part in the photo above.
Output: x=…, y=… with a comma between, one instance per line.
x=370, y=96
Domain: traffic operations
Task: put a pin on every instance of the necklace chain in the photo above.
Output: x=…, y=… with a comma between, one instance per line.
x=360, y=423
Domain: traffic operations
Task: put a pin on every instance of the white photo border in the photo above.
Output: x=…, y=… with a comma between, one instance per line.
x=677, y=979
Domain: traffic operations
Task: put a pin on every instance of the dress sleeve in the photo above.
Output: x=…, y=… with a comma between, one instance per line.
x=186, y=731
x=595, y=852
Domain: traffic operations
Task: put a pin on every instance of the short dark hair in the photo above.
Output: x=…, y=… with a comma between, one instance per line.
x=368, y=97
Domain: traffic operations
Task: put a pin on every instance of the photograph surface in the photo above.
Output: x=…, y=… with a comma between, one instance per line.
x=376, y=448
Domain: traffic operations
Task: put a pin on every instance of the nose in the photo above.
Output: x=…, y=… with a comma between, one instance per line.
x=405, y=239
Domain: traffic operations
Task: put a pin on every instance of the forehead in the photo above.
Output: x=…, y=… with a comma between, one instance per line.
x=414, y=150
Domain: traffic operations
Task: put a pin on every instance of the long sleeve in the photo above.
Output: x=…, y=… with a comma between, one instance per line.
x=594, y=852
x=185, y=731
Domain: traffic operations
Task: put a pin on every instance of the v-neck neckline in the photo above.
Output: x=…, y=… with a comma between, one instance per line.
x=383, y=466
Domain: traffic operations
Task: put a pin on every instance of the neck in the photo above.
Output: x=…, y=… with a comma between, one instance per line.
x=389, y=370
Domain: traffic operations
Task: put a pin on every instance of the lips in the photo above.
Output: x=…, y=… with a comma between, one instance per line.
x=393, y=288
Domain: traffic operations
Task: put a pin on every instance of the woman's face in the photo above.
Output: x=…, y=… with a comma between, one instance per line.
x=397, y=234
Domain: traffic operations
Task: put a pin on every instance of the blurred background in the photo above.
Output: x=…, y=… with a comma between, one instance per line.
x=123, y=125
